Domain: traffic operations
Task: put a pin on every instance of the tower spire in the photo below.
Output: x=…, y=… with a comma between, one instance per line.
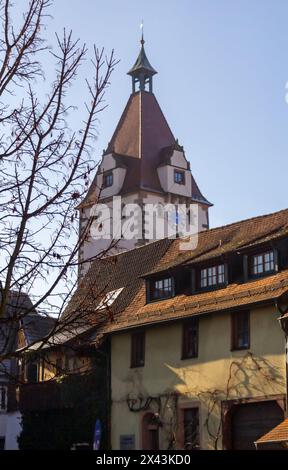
x=142, y=71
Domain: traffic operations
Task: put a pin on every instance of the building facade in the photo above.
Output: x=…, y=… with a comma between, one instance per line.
x=198, y=360
x=144, y=165
x=194, y=353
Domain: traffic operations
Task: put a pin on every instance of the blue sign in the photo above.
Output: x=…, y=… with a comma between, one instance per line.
x=97, y=435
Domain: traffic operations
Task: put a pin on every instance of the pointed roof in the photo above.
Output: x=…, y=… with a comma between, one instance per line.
x=139, y=141
x=143, y=139
x=142, y=64
x=142, y=133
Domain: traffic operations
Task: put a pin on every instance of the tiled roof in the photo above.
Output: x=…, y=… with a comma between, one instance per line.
x=137, y=144
x=128, y=270
x=37, y=326
x=142, y=132
x=111, y=273
x=278, y=434
x=220, y=241
x=232, y=297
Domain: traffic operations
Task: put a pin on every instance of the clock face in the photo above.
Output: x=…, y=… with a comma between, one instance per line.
x=177, y=219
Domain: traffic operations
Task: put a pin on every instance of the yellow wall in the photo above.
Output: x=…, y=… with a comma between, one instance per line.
x=217, y=374
x=76, y=364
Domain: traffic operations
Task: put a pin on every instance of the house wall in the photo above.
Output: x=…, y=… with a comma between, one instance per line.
x=217, y=374
x=3, y=422
x=75, y=364
x=13, y=430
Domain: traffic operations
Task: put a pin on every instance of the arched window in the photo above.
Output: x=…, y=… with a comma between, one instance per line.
x=150, y=432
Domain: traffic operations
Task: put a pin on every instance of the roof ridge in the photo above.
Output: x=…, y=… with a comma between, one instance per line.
x=171, y=240
x=263, y=216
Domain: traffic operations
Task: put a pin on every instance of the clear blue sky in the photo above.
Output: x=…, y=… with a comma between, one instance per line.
x=222, y=68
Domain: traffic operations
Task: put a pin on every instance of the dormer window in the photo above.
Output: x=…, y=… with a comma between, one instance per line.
x=107, y=179
x=262, y=263
x=212, y=276
x=161, y=289
x=179, y=177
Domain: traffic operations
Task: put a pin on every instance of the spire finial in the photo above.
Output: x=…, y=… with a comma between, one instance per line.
x=142, y=35
x=142, y=71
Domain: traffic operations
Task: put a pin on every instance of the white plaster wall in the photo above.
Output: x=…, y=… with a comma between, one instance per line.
x=107, y=163
x=93, y=247
x=178, y=159
x=118, y=180
x=13, y=430
x=166, y=177
x=3, y=422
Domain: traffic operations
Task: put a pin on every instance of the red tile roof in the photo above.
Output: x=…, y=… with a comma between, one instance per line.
x=278, y=434
x=219, y=241
x=232, y=297
x=127, y=270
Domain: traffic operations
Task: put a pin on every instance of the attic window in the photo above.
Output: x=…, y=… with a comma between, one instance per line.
x=262, y=263
x=109, y=298
x=107, y=179
x=179, y=177
x=212, y=277
x=161, y=289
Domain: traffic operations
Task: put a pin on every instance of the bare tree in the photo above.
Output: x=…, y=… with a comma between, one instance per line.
x=45, y=164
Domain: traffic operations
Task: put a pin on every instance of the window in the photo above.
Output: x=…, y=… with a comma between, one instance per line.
x=241, y=330
x=3, y=398
x=179, y=177
x=2, y=443
x=190, y=338
x=109, y=298
x=212, y=277
x=138, y=349
x=191, y=429
x=32, y=372
x=262, y=263
x=107, y=180
x=161, y=289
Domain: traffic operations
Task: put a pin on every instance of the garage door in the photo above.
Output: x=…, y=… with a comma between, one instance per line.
x=253, y=420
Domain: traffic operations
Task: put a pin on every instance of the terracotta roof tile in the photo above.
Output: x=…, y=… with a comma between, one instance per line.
x=219, y=241
x=229, y=298
x=277, y=434
x=129, y=268
x=114, y=272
